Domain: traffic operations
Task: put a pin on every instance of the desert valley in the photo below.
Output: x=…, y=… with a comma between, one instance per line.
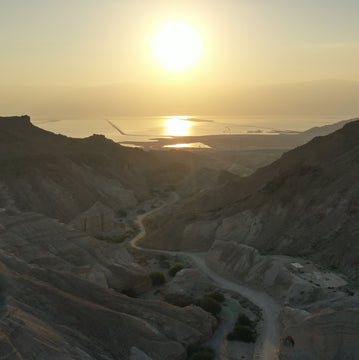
x=179, y=180
x=110, y=252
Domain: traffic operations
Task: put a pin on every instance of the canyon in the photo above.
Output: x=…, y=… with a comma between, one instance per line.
x=70, y=208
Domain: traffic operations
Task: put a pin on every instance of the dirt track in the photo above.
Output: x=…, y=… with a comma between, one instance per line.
x=268, y=342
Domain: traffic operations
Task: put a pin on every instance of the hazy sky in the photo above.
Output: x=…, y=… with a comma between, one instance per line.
x=90, y=43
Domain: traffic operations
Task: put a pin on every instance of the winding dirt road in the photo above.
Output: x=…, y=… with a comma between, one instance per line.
x=268, y=342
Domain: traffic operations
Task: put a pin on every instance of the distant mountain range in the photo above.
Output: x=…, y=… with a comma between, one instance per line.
x=320, y=97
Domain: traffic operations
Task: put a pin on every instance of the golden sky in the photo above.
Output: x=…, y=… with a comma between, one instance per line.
x=93, y=45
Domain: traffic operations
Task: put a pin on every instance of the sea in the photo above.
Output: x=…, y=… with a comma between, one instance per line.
x=127, y=129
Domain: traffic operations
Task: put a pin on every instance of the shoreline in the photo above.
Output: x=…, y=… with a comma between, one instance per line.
x=226, y=142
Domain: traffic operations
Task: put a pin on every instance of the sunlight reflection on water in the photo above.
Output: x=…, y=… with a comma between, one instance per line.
x=145, y=128
x=194, y=145
x=178, y=126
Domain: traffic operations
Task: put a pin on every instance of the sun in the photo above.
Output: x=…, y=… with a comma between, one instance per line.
x=177, y=46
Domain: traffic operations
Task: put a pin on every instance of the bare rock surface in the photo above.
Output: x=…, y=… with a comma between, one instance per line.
x=327, y=335
x=199, y=233
x=245, y=264
x=292, y=317
x=241, y=227
x=49, y=244
x=96, y=220
x=55, y=302
x=190, y=282
x=137, y=354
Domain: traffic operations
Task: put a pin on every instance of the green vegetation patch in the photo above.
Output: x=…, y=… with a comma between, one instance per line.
x=243, y=330
x=209, y=304
x=198, y=352
x=157, y=278
x=163, y=262
x=216, y=295
x=175, y=269
x=180, y=300
x=129, y=292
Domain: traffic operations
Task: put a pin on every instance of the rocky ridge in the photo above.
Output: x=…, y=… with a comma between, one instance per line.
x=304, y=204
x=38, y=166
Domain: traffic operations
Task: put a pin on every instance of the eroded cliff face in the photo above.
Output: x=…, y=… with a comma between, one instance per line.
x=327, y=335
x=304, y=204
x=58, y=299
x=274, y=274
x=97, y=220
x=48, y=244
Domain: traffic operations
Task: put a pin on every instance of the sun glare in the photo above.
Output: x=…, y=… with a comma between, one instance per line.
x=177, y=46
x=178, y=126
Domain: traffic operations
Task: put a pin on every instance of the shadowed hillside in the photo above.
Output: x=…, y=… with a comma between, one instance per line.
x=58, y=299
x=61, y=176
x=306, y=203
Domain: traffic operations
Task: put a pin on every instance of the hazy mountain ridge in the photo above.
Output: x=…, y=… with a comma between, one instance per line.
x=327, y=129
x=315, y=97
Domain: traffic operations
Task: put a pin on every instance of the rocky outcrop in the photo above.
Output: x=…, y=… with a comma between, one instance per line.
x=242, y=227
x=235, y=259
x=244, y=264
x=49, y=244
x=57, y=302
x=198, y=180
x=189, y=282
x=328, y=335
x=96, y=220
x=198, y=235
x=128, y=276
x=292, y=317
x=137, y=354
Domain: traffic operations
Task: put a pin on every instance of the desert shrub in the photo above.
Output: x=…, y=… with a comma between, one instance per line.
x=175, y=269
x=129, y=292
x=157, y=278
x=181, y=300
x=192, y=349
x=206, y=303
x=216, y=295
x=242, y=333
x=202, y=355
x=243, y=330
x=209, y=304
x=122, y=213
x=163, y=261
x=243, y=319
x=198, y=352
